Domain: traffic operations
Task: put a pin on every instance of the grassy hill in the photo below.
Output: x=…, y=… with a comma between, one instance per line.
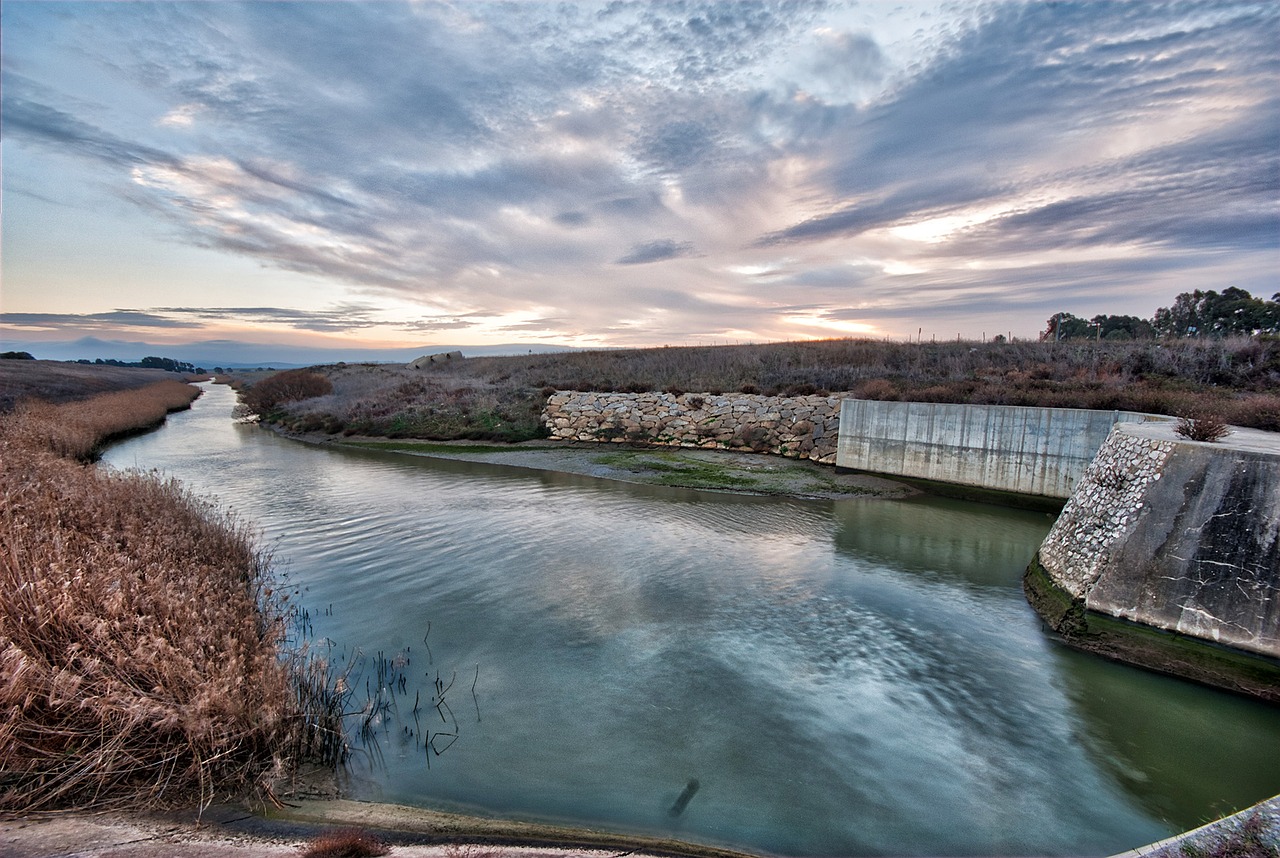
x=501, y=398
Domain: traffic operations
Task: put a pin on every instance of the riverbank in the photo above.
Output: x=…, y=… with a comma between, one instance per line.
x=711, y=470
x=298, y=841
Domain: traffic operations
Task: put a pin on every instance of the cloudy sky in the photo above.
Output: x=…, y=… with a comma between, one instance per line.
x=628, y=173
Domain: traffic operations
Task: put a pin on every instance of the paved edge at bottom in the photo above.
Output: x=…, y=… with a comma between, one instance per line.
x=430, y=826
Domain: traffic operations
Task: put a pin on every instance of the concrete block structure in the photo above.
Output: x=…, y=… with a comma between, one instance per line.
x=1167, y=555
x=1032, y=451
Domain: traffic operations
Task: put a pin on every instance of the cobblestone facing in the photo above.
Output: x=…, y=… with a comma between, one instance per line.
x=1103, y=508
x=798, y=427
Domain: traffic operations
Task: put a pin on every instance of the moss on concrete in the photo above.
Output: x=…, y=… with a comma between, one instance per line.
x=1149, y=647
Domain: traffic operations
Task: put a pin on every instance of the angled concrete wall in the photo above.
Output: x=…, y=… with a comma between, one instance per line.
x=1168, y=534
x=1034, y=451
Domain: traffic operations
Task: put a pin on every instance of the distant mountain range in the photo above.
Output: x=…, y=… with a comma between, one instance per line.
x=235, y=354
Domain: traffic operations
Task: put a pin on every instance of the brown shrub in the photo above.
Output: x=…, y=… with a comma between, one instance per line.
x=292, y=385
x=877, y=388
x=1204, y=427
x=1260, y=411
x=346, y=843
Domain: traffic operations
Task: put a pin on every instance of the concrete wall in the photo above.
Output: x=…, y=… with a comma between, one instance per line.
x=799, y=427
x=1177, y=536
x=1034, y=451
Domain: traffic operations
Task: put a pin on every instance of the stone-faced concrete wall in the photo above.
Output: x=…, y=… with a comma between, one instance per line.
x=1104, y=507
x=802, y=427
x=1033, y=451
x=1176, y=535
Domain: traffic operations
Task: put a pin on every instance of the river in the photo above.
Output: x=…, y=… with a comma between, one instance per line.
x=852, y=677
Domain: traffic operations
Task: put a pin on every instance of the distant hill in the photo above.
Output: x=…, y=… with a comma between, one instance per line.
x=242, y=355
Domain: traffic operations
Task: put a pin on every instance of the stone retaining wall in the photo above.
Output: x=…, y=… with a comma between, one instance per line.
x=1107, y=500
x=799, y=427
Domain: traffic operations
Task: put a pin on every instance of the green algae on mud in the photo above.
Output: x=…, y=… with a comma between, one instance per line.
x=439, y=447
x=676, y=467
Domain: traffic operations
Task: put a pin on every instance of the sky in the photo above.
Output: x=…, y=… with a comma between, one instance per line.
x=614, y=174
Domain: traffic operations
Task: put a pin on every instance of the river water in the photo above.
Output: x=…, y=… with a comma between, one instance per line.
x=853, y=677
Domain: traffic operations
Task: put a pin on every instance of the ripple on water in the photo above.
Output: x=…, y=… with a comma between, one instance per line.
x=842, y=678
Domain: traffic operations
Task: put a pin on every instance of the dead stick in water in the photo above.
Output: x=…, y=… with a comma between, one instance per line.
x=682, y=802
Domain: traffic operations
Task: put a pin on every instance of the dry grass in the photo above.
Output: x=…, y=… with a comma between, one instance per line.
x=77, y=430
x=1249, y=837
x=141, y=644
x=58, y=381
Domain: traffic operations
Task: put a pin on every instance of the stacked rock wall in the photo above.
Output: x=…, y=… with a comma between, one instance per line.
x=1106, y=502
x=801, y=427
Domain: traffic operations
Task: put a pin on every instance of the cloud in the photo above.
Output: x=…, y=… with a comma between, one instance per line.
x=501, y=164
x=36, y=121
x=844, y=66
x=657, y=251
x=94, y=321
x=572, y=219
x=428, y=325
x=679, y=145
x=337, y=319
x=1078, y=120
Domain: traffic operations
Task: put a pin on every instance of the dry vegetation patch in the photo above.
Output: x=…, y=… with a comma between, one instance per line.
x=78, y=429
x=60, y=381
x=142, y=656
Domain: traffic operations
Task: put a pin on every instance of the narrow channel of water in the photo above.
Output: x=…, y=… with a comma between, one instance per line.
x=840, y=678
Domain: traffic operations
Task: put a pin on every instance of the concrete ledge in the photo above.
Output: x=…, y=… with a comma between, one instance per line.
x=432, y=826
x=1260, y=823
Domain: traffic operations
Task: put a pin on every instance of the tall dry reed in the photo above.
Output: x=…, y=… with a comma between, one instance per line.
x=78, y=429
x=142, y=656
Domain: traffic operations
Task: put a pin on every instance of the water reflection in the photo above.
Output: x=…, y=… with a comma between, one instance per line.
x=849, y=678
x=1142, y=726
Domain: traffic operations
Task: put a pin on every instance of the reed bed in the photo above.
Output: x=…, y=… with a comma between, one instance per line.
x=59, y=381
x=77, y=430
x=143, y=651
